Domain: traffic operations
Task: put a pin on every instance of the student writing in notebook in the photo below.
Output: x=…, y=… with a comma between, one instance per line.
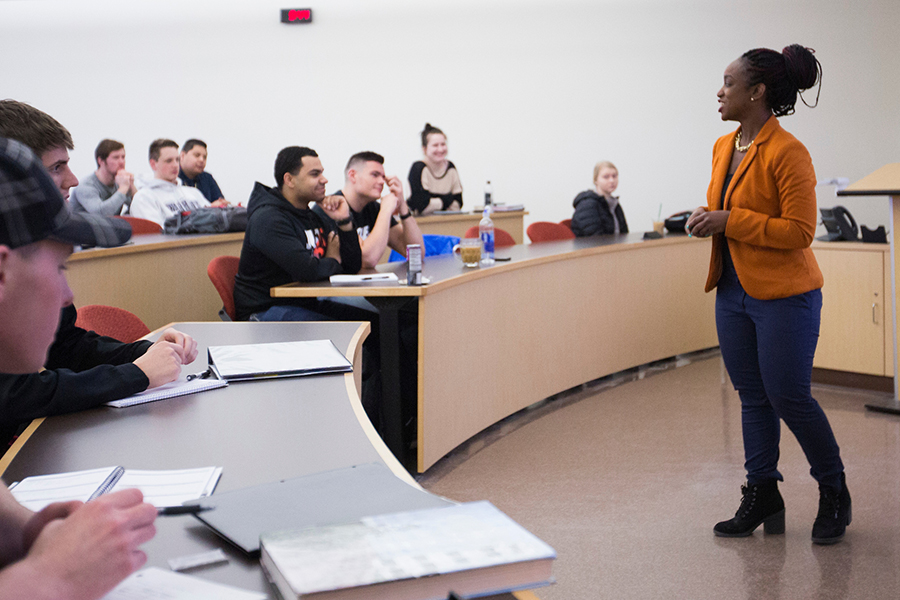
x=83, y=369
x=69, y=550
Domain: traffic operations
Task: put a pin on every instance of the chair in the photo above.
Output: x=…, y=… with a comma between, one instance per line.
x=501, y=238
x=142, y=226
x=435, y=245
x=566, y=223
x=221, y=271
x=113, y=322
x=544, y=231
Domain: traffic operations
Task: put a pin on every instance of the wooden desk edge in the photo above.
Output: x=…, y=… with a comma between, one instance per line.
x=175, y=242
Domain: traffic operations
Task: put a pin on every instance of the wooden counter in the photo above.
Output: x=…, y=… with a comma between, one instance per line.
x=510, y=222
x=160, y=278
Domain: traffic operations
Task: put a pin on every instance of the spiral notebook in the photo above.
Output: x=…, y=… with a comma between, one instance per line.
x=160, y=488
x=179, y=387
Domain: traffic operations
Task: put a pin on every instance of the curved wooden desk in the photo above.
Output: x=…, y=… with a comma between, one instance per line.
x=160, y=278
x=512, y=222
x=494, y=340
x=258, y=431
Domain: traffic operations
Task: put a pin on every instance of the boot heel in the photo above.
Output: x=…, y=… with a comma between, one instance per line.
x=774, y=525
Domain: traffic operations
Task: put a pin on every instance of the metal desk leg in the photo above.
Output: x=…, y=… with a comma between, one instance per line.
x=392, y=419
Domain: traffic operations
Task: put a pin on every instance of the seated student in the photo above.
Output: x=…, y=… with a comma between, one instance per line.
x=598, y=212
x=434, y=180
x=286, y=241
x=163, y=197
x=69, y=549
x=192, y=163
x=108, y=190
x=374, y=221
x=83, y=369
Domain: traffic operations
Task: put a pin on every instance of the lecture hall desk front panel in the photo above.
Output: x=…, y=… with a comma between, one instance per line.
x=512, y=223
x=495, y=340
x=160, y=278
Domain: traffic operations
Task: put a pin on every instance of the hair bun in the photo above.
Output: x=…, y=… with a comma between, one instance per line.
x=801, y=66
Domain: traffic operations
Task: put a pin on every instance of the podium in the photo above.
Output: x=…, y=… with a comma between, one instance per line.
x=886, y=182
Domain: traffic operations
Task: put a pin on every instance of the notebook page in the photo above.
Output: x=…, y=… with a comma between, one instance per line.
x=37, y=492
x=171, y=488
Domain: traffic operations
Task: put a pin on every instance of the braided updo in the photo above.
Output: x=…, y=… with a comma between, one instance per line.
x=785, y=74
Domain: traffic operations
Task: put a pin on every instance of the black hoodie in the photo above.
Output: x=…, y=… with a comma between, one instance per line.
x=284, y=244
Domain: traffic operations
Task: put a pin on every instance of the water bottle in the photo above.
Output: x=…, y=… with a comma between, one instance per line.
x=488, y=193
x=486, y=233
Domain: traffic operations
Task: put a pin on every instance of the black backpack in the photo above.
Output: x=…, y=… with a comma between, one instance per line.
x=208, y=220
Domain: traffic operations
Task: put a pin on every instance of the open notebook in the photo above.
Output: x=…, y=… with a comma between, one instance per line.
x=160, y=488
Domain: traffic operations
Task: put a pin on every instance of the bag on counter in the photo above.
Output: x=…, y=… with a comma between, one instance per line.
x=208, y=220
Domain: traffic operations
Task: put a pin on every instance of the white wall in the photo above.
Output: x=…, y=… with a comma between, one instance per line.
x=531, y=94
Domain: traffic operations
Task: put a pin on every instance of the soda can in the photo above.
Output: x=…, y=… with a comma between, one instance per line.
x=414, y=264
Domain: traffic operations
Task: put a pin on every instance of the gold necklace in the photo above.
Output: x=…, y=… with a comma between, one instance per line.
x=737, y=143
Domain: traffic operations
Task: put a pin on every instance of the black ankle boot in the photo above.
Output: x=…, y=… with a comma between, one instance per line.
x=834, y=514
x=761, y=503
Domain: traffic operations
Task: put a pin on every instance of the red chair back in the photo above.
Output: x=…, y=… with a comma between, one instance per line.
x=544, y=231
x=501, y=238
x=113, y=322
x=566, y=223
x=142, y=226
x=221, y=271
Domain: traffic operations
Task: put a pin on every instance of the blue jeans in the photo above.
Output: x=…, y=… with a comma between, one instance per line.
x=768, y=348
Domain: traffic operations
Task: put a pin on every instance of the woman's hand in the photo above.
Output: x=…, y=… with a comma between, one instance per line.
x=704, y=223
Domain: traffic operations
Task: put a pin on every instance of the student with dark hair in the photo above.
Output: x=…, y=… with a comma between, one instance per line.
x=164, y=196
x=599, y=212
x=434, y=181
x=83, y=369
x=761, y=212
x=286, y=241
x=108, y=190
x=192, y=171
x=388, y=222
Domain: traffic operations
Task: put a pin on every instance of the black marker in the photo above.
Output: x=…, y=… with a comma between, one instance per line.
x=188, y=509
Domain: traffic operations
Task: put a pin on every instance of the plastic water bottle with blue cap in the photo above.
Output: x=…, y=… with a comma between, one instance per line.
x=486, y=233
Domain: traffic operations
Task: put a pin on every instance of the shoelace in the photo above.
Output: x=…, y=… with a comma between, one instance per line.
x=748, y=499
x=829, y=504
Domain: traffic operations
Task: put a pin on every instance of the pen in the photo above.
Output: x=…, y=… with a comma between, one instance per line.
x=204, y=375
x=188, y=509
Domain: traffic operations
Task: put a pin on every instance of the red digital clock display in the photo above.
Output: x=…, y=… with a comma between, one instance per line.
x=296, y=15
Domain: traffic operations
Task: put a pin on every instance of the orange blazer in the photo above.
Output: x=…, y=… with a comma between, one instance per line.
x=772, y=199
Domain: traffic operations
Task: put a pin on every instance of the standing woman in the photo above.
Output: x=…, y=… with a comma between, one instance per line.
x=434, y=181
x=761, y=212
